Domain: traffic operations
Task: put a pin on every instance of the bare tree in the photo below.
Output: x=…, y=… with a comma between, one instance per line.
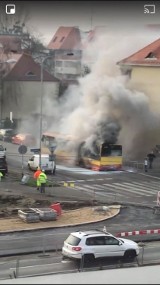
x=15, y=27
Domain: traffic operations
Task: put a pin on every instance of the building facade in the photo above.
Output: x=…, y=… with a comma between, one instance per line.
x=143, y=70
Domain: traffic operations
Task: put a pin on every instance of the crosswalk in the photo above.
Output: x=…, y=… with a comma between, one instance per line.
x=129, y=189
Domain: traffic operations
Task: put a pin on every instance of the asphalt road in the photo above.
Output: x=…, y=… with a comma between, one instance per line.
x=52, y=262
x=132, y=188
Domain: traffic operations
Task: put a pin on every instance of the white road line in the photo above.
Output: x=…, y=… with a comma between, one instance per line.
x=104, y=188
x=150, y=187
x=121, y=187
x=131, y=186
x=92, y=192
x=155, y=177
x=92, y=187
x=83, y=180
x=156, y=183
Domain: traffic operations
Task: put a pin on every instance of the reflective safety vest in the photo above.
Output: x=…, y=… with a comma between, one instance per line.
x=1, y=174
x=42, y=177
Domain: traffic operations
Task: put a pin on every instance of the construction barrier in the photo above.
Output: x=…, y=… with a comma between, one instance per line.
x=68, y=184
x=141, y=232
x=57, y=208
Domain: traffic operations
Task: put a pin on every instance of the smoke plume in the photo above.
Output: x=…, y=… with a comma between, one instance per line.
x=102, y=105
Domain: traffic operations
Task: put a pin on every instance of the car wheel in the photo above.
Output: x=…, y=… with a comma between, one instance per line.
x=130, y=254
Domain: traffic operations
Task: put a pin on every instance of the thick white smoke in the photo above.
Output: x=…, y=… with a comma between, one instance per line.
x=102, y=105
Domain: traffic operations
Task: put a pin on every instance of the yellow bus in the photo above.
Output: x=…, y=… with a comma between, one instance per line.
x=100, y=156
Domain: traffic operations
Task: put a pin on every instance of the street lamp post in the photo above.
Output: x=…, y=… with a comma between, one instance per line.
x=8, y=61
x=41, y=109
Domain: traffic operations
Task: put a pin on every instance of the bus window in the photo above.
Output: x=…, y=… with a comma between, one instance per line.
x=105, y=150
x=116, y=150
x=111, y=150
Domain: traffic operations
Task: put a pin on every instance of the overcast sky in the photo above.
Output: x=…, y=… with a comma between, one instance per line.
x=44, y=17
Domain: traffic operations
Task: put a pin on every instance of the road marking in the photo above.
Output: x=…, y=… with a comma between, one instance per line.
x=147, y=191
x=83, y=180
x=125, y=188
x=135, y=189
x=152, y=188
x=155, y=177
x=131, y=188
x=87, y=171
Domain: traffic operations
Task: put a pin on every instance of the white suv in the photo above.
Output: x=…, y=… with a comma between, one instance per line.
x=95, y=244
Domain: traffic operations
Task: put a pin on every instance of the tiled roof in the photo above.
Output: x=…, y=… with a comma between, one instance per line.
x=149, y=55
x=66, y=38
x=10, y=43
x=26, y=69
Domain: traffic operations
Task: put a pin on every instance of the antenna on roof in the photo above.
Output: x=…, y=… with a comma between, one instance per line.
x=91, y=19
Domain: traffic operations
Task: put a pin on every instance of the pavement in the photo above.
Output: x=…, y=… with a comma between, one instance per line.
x=10, y=187
x=136, y=223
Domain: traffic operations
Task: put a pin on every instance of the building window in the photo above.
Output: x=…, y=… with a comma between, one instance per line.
x=68, y=63
x=151, y=55
x=62, y=39
x=30, y=73
x=54, y=39
x=126, y=71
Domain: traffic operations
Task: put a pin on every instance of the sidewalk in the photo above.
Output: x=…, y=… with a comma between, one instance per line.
x=138, y=166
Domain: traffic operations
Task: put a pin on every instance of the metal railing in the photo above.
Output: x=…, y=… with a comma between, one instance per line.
x=21, y=267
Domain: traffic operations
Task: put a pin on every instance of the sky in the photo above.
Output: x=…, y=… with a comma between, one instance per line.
x=44, y=17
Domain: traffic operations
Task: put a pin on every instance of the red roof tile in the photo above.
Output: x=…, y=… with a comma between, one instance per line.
x=66, y=38
x=149, y=55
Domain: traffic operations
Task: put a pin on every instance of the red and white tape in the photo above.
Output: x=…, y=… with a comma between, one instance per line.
x=141, y=232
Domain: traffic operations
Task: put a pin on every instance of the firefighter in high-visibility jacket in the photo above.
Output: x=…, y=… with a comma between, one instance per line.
x=36, y=175
x=42, y=181
x=1, y=175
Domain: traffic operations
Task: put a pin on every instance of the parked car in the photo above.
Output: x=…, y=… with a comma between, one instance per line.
x=3, y=165
x=46, y=163
x=24, y=138
x=7, y=134
x=4, y=133
x=2, y=151
x=94, y=244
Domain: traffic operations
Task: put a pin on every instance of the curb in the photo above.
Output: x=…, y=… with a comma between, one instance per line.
x=60, y=226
